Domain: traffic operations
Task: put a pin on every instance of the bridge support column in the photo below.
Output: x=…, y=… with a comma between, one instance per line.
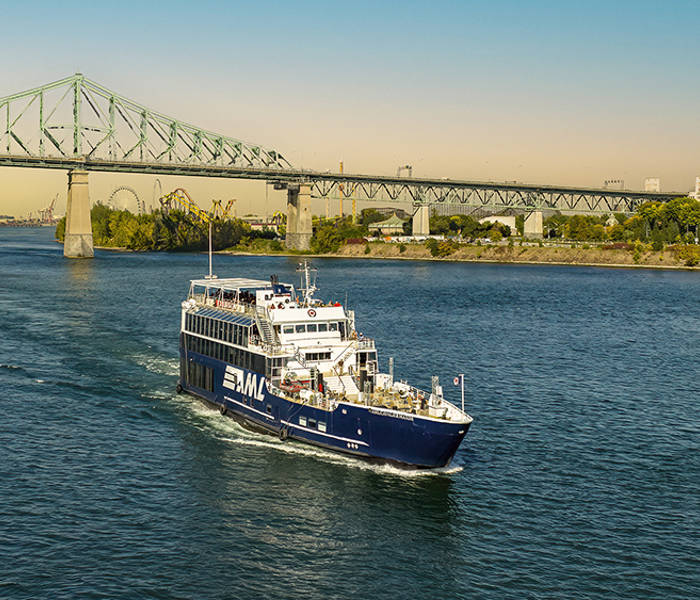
x=299, y=228
x=78, y=238
x=421, y=221
x=533, y=224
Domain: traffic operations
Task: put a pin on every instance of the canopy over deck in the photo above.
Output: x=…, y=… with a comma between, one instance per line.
x=232, y=284
x=223, y=315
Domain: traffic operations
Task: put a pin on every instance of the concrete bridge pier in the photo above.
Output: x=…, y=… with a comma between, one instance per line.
x=421, y=221
x=299, y=228
x=533, y=225
x=78, y=239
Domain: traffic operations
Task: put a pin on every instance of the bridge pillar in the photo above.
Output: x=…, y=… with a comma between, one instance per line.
x=299, y=228
x=533, y=224
x=421, y=221
x=78, y=238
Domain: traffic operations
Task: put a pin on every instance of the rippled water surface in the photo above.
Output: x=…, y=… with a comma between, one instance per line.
x=580, y=477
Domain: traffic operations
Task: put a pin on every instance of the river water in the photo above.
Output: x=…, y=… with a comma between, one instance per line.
x=580, y=477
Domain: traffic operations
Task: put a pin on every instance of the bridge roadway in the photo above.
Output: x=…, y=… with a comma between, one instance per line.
x=416, y=190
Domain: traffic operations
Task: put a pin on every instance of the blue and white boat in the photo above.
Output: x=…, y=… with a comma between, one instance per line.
x=280, y=361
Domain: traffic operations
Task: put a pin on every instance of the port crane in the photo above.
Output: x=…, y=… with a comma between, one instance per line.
x=46, y=214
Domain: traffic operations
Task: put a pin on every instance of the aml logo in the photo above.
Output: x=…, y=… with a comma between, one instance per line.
x=236, y=379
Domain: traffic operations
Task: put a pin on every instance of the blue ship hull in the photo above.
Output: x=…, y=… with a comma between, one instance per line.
x=365, y=432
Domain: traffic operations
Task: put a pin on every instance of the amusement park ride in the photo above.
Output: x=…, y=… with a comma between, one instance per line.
x=217, y=212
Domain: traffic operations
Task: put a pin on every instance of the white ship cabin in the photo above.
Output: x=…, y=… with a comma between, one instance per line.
x=308, y=349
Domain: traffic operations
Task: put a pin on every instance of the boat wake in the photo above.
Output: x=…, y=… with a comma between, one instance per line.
x=158, y=364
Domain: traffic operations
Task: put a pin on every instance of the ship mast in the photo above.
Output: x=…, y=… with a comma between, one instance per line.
x=308, y=281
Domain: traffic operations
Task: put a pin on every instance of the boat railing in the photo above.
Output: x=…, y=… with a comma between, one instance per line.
x=203, y=300
x=274, y=349
x=340, y=379
x=299, y=357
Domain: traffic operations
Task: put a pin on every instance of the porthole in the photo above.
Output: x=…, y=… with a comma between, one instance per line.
x=359, y=432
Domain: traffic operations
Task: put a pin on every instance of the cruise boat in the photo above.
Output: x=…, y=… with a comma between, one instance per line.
x=280, y=361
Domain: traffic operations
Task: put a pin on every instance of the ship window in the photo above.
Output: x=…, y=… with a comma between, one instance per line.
x=322, y=327
x=312, y=423
x=300, y=328
x=289, y=329
x=258, y=364
x=311, y=328
x=268, y=408
x=321, y=426
x=302, y=421
x=332, y=326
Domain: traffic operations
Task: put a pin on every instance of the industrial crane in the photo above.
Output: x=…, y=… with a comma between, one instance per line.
x=46, y=214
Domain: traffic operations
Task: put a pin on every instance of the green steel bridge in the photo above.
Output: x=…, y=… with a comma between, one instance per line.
x=78, y=125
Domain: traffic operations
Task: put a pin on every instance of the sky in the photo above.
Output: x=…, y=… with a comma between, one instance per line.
x=567, y=93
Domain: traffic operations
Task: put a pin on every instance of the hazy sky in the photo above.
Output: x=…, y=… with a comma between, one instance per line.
x=550, y=92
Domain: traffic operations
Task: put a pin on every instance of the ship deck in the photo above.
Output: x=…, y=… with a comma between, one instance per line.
x=383, y=399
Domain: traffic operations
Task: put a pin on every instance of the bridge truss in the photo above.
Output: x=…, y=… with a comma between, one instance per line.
x=486, y=195
x=78, y=118
x=76, y=123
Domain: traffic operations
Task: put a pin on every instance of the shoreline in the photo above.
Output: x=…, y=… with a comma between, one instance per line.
x=453, y=259
x=467, y=260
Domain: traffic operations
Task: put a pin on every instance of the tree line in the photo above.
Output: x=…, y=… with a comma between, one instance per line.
x=174, y=230
x=675, y=221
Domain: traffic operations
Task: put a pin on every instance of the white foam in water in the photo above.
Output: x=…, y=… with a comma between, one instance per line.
x=244, y=437
x=158, y=364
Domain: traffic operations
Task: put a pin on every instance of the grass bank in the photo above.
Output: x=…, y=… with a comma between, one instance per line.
x=644, y=257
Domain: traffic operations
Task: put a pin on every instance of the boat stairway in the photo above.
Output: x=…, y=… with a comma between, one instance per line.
x=264, y=325
x=343, y=385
